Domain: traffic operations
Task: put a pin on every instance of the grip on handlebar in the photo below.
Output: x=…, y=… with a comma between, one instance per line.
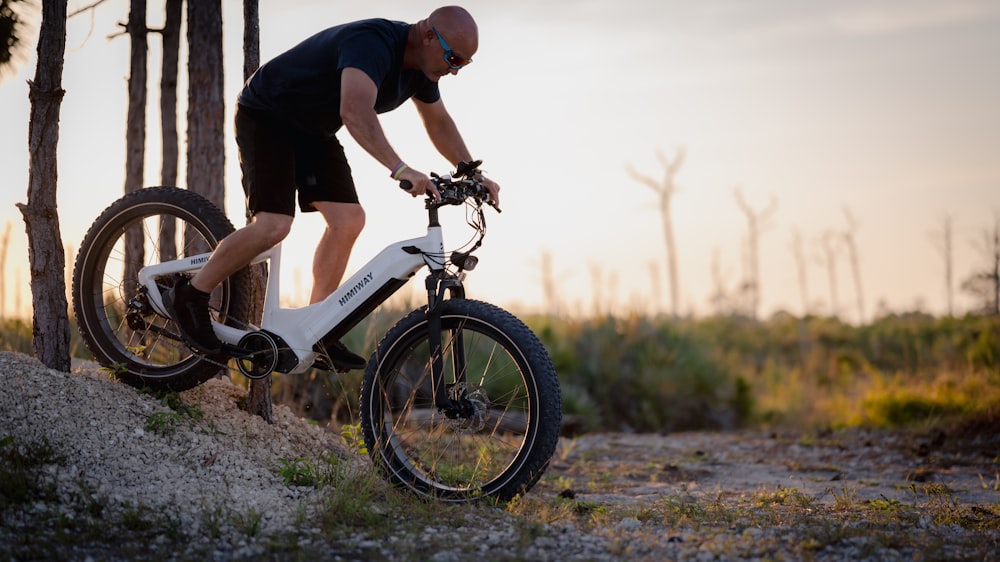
x=406, y=185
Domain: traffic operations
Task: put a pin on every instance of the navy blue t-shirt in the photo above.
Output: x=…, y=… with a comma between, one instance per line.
x=302, y=85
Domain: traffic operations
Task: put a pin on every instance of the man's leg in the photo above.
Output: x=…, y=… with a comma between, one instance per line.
x=187, y=303
x=238, y=249
x=344, y=222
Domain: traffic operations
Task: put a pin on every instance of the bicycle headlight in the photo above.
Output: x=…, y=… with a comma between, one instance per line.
x=464, y=261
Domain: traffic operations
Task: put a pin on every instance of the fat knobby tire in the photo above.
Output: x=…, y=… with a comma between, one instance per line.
x=192, y=211
x=542, y=430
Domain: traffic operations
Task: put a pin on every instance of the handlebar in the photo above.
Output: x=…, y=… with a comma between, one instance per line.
x=456, y=190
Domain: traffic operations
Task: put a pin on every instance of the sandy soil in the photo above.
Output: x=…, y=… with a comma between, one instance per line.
x=866, y=464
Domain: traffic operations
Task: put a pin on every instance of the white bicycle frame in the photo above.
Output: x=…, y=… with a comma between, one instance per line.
x=301, y=328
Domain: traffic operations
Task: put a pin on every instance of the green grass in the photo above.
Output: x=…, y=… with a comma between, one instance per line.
x=166, y=422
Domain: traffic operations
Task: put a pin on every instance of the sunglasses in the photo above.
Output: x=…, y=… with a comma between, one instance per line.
x=454, y=61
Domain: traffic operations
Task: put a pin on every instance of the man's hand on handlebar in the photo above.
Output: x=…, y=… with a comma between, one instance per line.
x=420, y=183
x=493, y=188
x=455, y=189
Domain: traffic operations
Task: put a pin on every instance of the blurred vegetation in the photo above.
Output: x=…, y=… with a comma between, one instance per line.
x=15, y=335
x=648, y=374
x=655, y=374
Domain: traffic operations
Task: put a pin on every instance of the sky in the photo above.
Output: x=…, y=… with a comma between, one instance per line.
x=877, y=118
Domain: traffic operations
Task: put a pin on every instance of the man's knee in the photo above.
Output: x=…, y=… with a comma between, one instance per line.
x=354, y=219
x=343, y=219
x=272, y=228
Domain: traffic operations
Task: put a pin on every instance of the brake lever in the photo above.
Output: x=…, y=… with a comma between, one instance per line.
x=485, y=194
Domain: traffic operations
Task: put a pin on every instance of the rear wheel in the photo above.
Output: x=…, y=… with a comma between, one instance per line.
x=499, y=442
x=115, y=318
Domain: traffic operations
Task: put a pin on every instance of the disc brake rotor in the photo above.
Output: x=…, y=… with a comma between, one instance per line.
x=476, y=421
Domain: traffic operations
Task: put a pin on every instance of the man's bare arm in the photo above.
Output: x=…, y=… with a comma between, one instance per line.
x=357, y=111
x=448, y=141
x=442, y=131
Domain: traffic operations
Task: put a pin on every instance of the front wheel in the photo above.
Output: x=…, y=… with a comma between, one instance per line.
x=500, y=443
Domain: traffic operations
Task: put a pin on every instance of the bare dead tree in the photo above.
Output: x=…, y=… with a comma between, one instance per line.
x=665, y=190
x=169, y=139
x=985, y=283
x=18, y=296
x=135, y=131
x=801, y=268
x=852, y=254
x=259, y=398
x=50, y=319
x=89, y=7
x=206, y=150
x=719, y=299
x=4, y=244
x=994, y=252
x=756, y=224
x=135, y=125
x=251, y=37
x=828, y=246
x=743, y=300
x=943, y=240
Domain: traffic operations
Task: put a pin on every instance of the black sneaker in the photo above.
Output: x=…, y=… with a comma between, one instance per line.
x=188, y=307
x=340, y=359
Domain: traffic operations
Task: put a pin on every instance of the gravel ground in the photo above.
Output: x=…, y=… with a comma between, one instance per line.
x=215, y=481
x=227, y=458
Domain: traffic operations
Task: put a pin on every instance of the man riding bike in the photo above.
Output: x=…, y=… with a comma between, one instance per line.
x=287, y=117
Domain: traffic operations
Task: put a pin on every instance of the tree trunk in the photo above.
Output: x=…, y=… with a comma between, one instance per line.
x=259, y=398
x=756, y=222
x=943, y=240
x=995, y=273
x=830, y=256
x=4, y=243
x=135, y=133
x=206, y=156
x=852, y=254
x=135, y=126
x=170, y=152
x=665, y=190
x=251, y=38
x=801, y=269
x=50, y=330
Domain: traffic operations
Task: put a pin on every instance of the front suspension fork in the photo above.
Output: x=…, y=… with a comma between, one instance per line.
x=450, y=399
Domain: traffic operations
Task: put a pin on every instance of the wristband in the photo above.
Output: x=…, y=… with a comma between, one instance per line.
x=398, y=170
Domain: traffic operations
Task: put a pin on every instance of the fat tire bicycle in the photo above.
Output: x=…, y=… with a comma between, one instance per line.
x=459, y=401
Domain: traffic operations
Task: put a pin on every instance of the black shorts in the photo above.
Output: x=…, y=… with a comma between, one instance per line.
x=277, y=160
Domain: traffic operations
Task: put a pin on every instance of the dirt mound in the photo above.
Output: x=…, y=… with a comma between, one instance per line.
x=130, y=449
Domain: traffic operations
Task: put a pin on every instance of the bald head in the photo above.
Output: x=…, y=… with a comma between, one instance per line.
x=443, y=43
x=457, y=24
